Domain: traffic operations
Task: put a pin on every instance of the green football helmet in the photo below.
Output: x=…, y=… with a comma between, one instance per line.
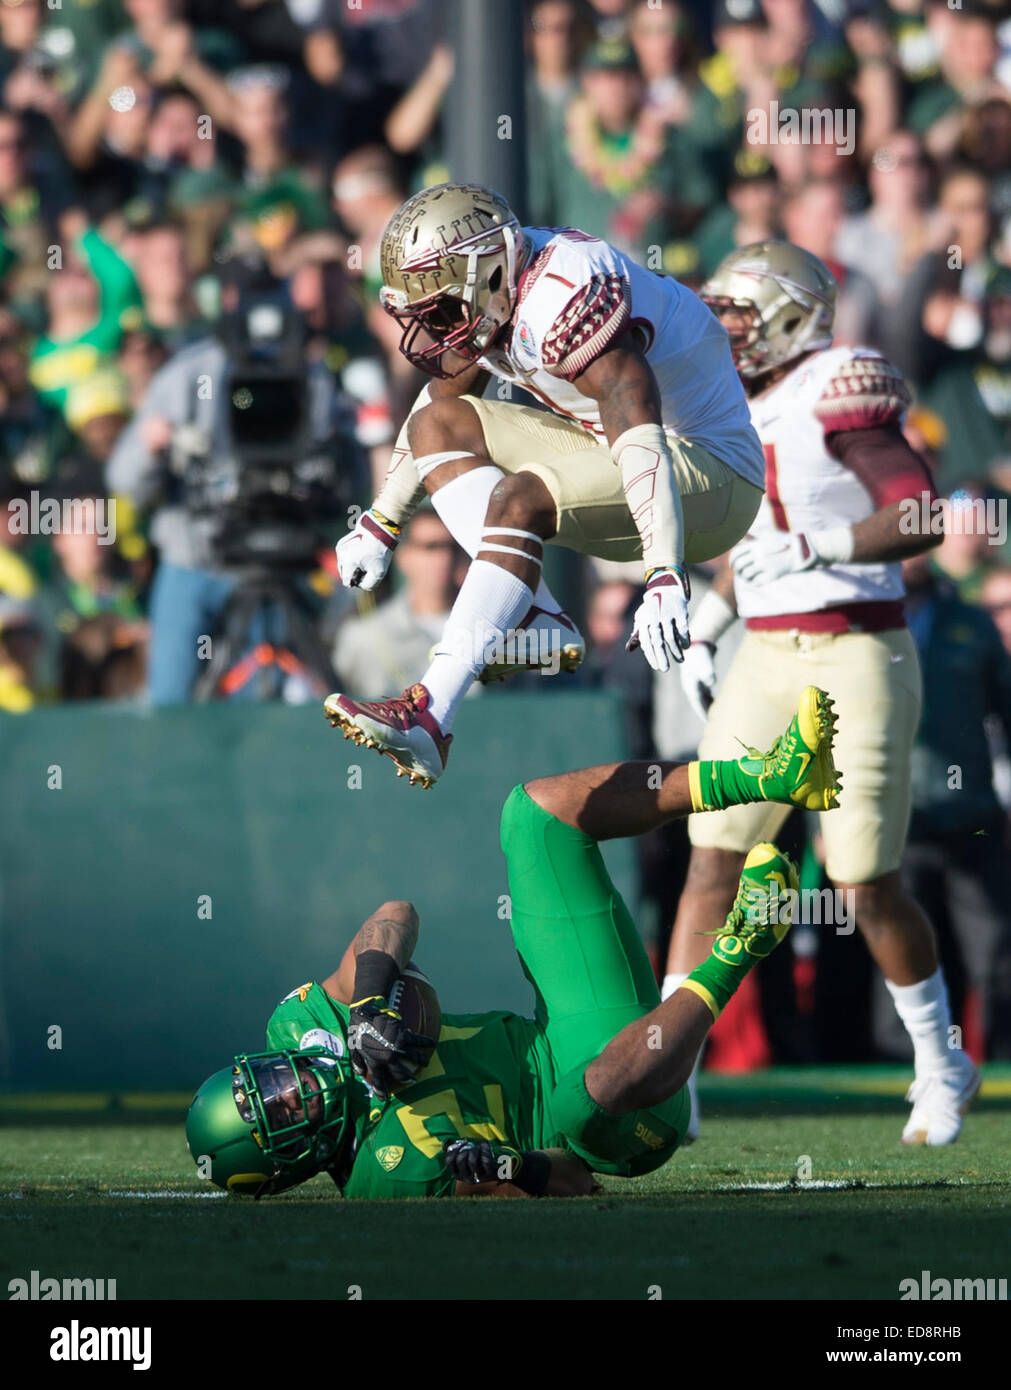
x=269, y=1121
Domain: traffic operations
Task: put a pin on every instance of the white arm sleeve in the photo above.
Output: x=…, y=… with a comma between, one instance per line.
x=647, y=477
x=402, y=490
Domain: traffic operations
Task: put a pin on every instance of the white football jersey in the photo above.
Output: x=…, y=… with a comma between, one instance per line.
x=576, y=296
x=808, y=489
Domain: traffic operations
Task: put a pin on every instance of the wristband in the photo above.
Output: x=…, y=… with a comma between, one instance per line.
x=376, y=972
x=534, y=1172
x=711, y=619
x=385, y=521
x=833, y=546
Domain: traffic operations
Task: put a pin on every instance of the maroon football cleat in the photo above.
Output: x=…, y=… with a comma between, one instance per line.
x=402, y=728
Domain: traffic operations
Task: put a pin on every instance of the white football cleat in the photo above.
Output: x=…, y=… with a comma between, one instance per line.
x=548, y=642
x=939, y=1100
x=401, y=728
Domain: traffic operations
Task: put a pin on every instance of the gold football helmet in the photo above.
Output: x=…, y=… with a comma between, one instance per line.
x=451, y=257
x=776, y=301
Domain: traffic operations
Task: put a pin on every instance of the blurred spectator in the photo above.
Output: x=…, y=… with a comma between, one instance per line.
x=276, y=198
x=972, y=393
x=985, y=146
x=812, y=216
x=31, y=435
x=968, y=60
x=91, y=299
x=413, y=127
x=390, y=648
x=621, y=173
x=969, y=548
x=381, y=46
x=157, y=254
x=888, y=239
x=31, y=200
x=750, y=214
x=555, y=39
x=995, y=599
x=366, y=193
x=90, y=605
x=667, y=51
x=97, y=410
x=948, y=286
x=141, y=354
x=610, y=19
x=956, y=857
x=182, y=429
x=20, y=647
x=322, y=292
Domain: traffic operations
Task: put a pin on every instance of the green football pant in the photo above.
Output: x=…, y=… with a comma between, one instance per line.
x=581, y=952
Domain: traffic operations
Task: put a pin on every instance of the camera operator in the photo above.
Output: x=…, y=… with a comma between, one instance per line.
x=241, y=451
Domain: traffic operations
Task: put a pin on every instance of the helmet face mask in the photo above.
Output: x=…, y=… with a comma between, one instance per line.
x=451, y=258
x=295, y=1102
x=269, y=1121
x=777, y=302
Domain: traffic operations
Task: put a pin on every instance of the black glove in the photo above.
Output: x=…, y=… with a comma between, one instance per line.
x=480, y=1160
x=382, y=1049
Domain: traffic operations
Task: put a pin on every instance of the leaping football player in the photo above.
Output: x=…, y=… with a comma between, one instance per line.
x=645, y=449
x=819, y=584
x=594, y=1083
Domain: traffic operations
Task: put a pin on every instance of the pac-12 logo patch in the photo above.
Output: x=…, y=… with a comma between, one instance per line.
x=525, y=338
x=319, y=1037
x=389, y=1156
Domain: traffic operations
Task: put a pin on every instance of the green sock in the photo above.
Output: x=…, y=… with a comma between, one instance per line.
x=716, y=785
x=716, y=979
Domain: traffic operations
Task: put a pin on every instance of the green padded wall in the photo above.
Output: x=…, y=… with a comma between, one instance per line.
x=100, y=880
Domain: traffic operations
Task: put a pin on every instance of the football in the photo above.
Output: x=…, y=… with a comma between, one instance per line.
x=415, y=1000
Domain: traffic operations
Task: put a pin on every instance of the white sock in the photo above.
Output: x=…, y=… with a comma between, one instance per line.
x=490, y=602
x=463, y=504
x=924, y=1011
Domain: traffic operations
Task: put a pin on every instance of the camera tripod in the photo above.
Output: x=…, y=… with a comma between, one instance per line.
x=266, y=641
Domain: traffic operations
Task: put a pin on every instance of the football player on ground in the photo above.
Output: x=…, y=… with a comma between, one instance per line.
x=819, y=584
x=594, y=1083
x=645, y=450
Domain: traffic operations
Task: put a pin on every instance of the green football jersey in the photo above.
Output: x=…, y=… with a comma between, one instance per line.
x=487, y=1078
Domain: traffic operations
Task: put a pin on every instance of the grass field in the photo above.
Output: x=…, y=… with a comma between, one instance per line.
x=108, y=1191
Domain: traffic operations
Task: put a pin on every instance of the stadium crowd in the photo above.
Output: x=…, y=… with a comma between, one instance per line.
x=160, y=159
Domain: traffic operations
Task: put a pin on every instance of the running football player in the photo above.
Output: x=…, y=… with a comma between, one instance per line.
x=594, y=1083
x=645, y=449
x=819, y=583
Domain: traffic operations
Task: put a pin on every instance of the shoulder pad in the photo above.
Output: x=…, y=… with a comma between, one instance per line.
x=596, y=314
x=863, y=392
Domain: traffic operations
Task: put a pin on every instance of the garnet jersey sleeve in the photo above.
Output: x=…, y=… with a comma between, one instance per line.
x=860, y=411
x=574, y=302
x=865, y=391
x=597, y=314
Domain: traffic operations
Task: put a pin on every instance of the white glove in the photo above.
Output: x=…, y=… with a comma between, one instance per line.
x=763, y=559
x=660, y=626
x=698, y=677
x=364, y=554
